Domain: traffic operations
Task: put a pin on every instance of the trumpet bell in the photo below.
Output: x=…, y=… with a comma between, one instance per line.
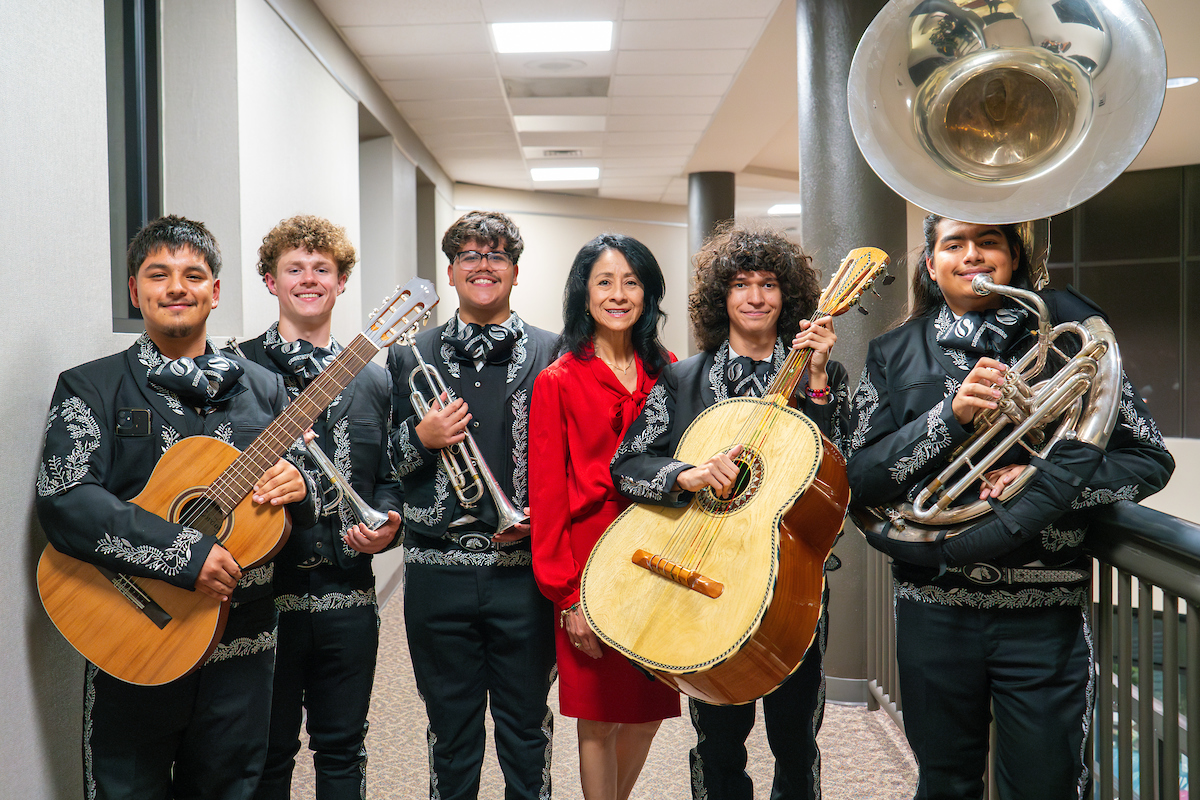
x=1000, y=111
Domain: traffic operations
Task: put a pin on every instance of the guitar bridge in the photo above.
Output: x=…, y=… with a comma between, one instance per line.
x=674, y=572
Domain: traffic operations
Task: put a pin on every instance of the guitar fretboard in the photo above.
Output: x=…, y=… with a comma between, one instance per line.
x=239, y=477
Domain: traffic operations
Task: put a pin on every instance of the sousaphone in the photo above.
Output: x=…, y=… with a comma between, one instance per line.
x=1004, y=111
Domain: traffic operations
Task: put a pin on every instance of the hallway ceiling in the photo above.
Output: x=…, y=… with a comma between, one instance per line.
x=690, y=85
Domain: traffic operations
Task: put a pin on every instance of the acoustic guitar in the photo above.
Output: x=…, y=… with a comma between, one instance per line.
x=150, y=632
x=721, y=599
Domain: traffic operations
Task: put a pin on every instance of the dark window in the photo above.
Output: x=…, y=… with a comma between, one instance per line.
x=135, y=169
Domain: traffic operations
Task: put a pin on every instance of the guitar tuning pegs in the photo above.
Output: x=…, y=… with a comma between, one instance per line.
x=863, y=310
x=888, y=280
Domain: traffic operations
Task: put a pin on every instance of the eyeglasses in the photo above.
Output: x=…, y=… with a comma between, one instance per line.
x=496, y=260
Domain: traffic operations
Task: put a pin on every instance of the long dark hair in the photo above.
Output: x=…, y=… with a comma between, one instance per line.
x=578, y=325
x=927, y=297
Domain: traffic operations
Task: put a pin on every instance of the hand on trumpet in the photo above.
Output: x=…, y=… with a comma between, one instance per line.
x=365, y=540
x=444, y=425
x=980, y=390
x=515, y=533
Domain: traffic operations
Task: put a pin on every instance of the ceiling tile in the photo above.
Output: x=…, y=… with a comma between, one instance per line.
x=664, y=105
x=560, y=139
x=472, y=89
x=649, y=195
x=467, y=137
x=424, y=109
x=436, y=67
x=690, y=122
x=388, y=12
x=654, y=150
x=643, y=182
x=690, y=34
x=549, y=10
x=394, y=40
x=543, y=153
x=697, y=9
x=635, y=172
x=669, y=85
x=439, y=126
x=560, y=65
x=679, y=62
x=666, y=162
x=497, y=154
x=540, y=106
x=622, y=138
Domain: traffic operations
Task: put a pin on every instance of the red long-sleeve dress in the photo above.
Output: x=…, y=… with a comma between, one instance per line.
x=579, y=414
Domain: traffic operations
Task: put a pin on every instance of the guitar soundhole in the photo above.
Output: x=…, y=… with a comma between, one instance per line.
x=204, y=515
x=745, y=486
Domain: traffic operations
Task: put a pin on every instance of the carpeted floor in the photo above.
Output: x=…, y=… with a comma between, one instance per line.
x=863, y=754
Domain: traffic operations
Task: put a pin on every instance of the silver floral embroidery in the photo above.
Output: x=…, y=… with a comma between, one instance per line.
x=520, y=450
x=410, y=457
x=943, y=323
x=341, y=460
x=657, y=420
x=548, y=732
x=952, y=386
x=89, y=705
x=652, y=489
x=431, y=515
x=1102, y=497
x=866, y=401
x=170, y=437
x=1054, y=539
x=259, y=576
x=1143, y=428
x=170, y=561
x=59, y=473
x=937, y=437
x=449, y=360
x=487, y=558
x=224, y=432
x=1023, y=598
x=326, y=602
x=716, y=373
x=245, y=646
x=519, y=353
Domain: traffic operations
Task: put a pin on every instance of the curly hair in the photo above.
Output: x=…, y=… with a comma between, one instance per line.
x=485, y=227
x=173, y=232
x=738, y=248
x=578, y=325
x=314, y=234
x=927, y=297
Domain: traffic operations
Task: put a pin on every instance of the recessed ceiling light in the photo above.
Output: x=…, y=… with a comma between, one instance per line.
x=552, y=37
x=1175, y=83
x=531, y=123
x=784, y=210
x=565, y=173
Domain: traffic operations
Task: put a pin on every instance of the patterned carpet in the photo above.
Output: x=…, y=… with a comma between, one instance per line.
x=863, y=754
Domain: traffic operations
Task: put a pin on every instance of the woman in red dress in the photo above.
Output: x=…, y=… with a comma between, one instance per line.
x=582, y=405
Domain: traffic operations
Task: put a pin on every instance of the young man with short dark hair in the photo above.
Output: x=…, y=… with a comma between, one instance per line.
x=479, y=630
x=205, y=734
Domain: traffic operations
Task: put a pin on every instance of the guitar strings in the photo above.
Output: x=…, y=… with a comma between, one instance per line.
x=759, y=425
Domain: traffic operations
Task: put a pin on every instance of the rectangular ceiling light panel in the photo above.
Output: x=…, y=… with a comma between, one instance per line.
x=565, y=173
x=527, y=123
x=552, y=37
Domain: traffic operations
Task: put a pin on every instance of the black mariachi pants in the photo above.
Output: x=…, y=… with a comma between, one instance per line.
x=1031, y=667
x=480, y=634
x=202, y=736
x=792, y=715
x=328, y=643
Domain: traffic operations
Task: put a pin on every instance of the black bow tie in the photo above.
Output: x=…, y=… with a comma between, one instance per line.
x=492, y=344
x=200, y=381
x=301, y=358
x=986, y=333
x=746, y=377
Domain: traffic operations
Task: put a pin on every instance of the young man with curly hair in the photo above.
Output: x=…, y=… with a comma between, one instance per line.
x=479, y=629
x=324, y=586
x=204, y=734
x=754, y=289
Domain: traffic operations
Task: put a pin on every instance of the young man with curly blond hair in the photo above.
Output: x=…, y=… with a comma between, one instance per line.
x=324, y=586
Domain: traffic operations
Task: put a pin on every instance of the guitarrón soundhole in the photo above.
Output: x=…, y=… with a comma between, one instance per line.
x=751, y=469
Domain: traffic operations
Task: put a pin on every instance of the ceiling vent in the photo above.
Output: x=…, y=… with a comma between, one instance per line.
x=562, y=153
x=556, y=87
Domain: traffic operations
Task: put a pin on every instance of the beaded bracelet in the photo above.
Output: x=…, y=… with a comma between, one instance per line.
x=818, y=394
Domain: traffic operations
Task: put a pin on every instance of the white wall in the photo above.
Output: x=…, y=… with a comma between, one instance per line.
x=54, y=256
x=554, y=227
x=298, y=152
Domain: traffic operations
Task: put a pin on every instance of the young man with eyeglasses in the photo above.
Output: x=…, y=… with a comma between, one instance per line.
x=479, y=629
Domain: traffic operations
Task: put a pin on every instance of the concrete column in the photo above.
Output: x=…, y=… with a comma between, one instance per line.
x=845, y=206
x=710, y=202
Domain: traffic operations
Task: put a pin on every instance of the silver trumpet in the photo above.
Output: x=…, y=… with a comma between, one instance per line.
x=468, y=472
x=345, y=492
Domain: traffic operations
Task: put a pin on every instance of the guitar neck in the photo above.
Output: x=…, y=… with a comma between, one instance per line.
x=232, y=486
